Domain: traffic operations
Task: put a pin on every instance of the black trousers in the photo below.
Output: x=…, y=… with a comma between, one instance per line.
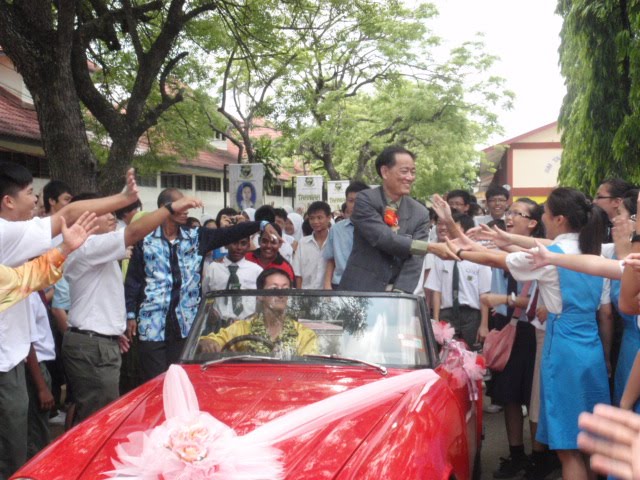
x=155, y=357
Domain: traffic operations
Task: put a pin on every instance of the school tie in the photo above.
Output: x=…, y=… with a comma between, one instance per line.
x=531, y=312
x=234, y=284
x=456, y=290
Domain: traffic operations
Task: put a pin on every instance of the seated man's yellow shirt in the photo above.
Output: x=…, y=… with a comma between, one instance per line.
x=306, y=339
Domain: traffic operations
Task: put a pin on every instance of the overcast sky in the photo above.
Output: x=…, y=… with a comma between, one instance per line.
x=525, y=35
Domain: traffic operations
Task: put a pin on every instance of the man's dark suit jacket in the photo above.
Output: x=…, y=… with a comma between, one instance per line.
x=380, y=255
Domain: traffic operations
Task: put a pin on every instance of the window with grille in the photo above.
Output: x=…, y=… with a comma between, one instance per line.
x=147, y=180
x=37, y=166
x=287, y=191
x=176, y=180
x=208, y=184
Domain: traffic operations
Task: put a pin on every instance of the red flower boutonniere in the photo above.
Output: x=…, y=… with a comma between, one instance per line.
x=391, y=218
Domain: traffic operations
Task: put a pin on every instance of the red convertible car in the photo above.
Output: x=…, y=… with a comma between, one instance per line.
x=328, y=385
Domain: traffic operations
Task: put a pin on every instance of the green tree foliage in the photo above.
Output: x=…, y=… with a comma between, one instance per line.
x=340, y=79
x=365, y=78
x=600, y=116
x=146, y=52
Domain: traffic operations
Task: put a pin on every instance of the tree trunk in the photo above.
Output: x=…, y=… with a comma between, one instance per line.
x=43, y=58
x=327, y=160
x=111, y=179
x=63, y=130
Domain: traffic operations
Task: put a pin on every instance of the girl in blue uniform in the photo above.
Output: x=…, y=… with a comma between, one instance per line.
x=630, y=344
x=573, y=372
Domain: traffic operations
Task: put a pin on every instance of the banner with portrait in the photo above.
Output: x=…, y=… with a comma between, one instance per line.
x=246, y=185
x=336, y=195
x=308, y=190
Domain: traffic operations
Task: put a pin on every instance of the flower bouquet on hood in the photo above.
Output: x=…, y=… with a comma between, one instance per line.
x=464, y=365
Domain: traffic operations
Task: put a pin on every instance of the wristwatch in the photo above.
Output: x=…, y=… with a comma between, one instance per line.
x=169, y=207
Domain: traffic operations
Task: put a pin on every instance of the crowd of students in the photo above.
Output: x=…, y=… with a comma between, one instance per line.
x=133, y=281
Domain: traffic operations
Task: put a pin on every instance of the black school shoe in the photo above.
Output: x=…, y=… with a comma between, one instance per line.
x=511, y=466
x=541, y=467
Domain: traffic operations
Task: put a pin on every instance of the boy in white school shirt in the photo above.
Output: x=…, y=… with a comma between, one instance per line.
x=308, y=263
x=234, y=273
x=23, y=237
x=473, y=280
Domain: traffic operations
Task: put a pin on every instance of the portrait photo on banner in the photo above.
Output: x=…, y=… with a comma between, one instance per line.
x=246, y=185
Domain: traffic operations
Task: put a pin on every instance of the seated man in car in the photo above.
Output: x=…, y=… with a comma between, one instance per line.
x=269, y=329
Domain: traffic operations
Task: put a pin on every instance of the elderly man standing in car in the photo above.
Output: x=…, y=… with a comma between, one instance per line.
x=391, y=230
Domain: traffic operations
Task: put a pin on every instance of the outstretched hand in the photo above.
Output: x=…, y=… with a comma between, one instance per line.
x=443, y=251
x=442, y=208
x=463, y=241
x=74, y=236
x=131, y=190
x=498, y=237
x=621, y=233
x=540, y=256
x=633, y=261
x=186, y=203
x=612, y=437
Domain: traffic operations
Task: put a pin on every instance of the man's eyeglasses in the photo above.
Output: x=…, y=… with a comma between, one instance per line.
x=510, y=213
x=602, y=197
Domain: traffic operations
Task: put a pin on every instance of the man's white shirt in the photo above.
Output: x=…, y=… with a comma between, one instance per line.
x=309, y=264
x=95, y=284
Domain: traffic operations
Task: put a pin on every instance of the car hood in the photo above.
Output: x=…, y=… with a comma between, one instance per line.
x=243, y=397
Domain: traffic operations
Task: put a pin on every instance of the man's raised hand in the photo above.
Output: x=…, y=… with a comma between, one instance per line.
x=74, y=236
x=131, y=190
x=186, y=203
x=441, y=207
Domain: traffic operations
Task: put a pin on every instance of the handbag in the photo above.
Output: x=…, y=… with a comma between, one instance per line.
x=499, y=343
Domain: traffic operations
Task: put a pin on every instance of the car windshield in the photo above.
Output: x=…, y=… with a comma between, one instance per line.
x=302, y=326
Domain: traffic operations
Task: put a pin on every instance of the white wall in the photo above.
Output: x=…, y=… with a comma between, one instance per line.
x=12, y=80
x=213, y=201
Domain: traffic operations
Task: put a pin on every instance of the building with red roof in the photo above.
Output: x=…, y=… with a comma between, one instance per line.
x=203, y=176
x=528, y=163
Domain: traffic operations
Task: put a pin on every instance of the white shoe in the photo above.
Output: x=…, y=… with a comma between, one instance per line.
x=59, y=419
x=491, y=408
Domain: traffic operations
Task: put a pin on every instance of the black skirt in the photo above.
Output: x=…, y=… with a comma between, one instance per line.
x=513, y=384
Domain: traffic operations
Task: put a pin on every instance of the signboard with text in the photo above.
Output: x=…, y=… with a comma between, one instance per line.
x=308, y=190
x=336, y=195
